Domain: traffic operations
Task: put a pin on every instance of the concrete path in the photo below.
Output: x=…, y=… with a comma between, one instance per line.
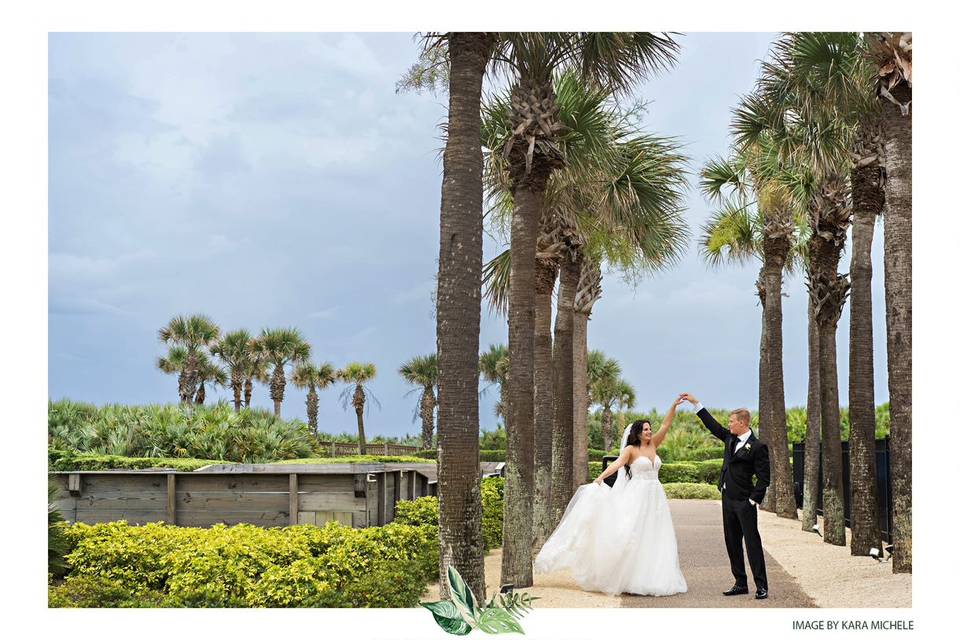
x=704, y=563
x=703, y=560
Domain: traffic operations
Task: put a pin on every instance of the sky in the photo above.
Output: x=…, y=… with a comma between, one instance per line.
x=279, y=180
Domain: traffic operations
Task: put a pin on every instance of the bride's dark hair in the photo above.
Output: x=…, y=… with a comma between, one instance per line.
x=633, y=438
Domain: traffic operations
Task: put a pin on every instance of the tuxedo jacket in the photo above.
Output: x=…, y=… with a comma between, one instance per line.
x=753, y=459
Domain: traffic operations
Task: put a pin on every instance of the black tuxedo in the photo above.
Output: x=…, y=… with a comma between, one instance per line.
x=737, y=489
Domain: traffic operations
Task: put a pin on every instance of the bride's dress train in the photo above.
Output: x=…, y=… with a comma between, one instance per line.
x=619, y=539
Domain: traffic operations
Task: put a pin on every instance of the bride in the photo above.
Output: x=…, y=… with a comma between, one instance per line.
x=621, y=539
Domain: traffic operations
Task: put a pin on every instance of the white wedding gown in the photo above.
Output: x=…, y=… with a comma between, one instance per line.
x=618, y=539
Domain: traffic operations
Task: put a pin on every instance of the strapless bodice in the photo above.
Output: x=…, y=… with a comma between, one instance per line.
x=643, y=468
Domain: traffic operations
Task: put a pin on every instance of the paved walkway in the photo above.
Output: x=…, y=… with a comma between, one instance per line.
x=703, y=560
x=704, y=563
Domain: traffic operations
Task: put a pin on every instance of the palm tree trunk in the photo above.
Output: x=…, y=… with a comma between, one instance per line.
x=606, y=422
x=277, y=383
x=189, y=380
x=458, y=317
x=543, y=403
x=201, y=394
x=247, y=392
x=359, y=400
x=864, y=512
x=427, y=404
x=898, y=292
x=773, y=411
x=811, y=443
x=581, y=431
x=831, y=291
x=562, y=458
x=770, y=501
x=312, y=406
x=236, y=384
x=517, y=566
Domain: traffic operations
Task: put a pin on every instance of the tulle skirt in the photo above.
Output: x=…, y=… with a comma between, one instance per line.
x=617, y=540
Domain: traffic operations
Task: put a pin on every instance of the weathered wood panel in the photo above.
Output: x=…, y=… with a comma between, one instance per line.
x=343, y=517
x=216, y=501
x=339, y=484
x=172, y=498
x=294, y=498
x=132, y=516
x=260, y=519
x=127, y=483
x=330, y=502
x=237, y=483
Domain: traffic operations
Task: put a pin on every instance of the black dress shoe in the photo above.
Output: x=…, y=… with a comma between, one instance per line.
x=737, y=590
x=761, y=594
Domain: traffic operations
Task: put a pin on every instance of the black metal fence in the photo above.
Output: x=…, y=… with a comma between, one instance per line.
x=884, y=485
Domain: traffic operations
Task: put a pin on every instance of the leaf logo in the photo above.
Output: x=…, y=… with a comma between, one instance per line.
x=461, y=614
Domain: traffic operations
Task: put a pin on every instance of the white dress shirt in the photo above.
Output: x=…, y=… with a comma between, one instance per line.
x=742, y=439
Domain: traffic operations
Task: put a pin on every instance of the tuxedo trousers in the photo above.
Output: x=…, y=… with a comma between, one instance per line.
x=739, y=526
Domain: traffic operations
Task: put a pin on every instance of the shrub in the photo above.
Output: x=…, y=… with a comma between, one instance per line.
x=214, y=432
x=594, y=469
x=69, y=461
x=708, y=471
x=429, y=454
x=58, y=544
x=678, y=472
x=96, y=591
x=698, y=454
x=691, y=491
x=245, y=565
x=426, y=512
x=356, y=460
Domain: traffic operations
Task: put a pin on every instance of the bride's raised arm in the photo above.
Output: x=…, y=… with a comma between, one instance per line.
x=661, y=433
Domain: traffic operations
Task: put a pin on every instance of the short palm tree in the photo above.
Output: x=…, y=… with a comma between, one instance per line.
x=626, y=398
x=309, y=376
x=421, y=371
x=494, y=369
x=259, y=371
x=356, y=375
x=280, y=347
x=195, y=334
x=208, y=372
x=236, y=350
x=604, y=383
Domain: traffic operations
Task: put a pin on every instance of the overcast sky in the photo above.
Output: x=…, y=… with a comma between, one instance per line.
x=278, y=180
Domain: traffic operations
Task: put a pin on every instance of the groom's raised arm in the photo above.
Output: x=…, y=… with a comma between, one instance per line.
x=708, y=420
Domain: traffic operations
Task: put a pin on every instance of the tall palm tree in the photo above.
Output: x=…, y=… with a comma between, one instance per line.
x=195, y=334
x=421, y=371
x=605, y=388
x=279, y=348
x=462, y=59
x=765, y=228
x=236, y=351
x=893, y=53
x=309, y=376
x=356, y=376
x=825, y=78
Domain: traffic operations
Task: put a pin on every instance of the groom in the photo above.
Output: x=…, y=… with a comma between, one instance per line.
x=743, y=457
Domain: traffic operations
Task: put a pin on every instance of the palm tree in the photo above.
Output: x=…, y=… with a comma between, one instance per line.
x=258, y=370
x=459, y=60
x=194, y=334
x=494, y=366
x=421, y=371
x=236, y=351
x=208, y=371
x=893, y=53
x=173, y=362
x=309, y=376
x=763, y=228
x=356, y=375
x=279, y=348
x=625, y=397
x=605, y=387
x=826, y=78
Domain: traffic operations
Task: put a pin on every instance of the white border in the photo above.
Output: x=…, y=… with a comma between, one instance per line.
x=23, y=252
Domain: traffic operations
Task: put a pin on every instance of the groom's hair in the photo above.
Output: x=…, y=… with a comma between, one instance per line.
x=742, y=414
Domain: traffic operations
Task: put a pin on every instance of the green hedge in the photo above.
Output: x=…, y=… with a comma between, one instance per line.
x=426, y=511
x=691, y=491
x=248, y=566
x=59, y=460
x=706, y=471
